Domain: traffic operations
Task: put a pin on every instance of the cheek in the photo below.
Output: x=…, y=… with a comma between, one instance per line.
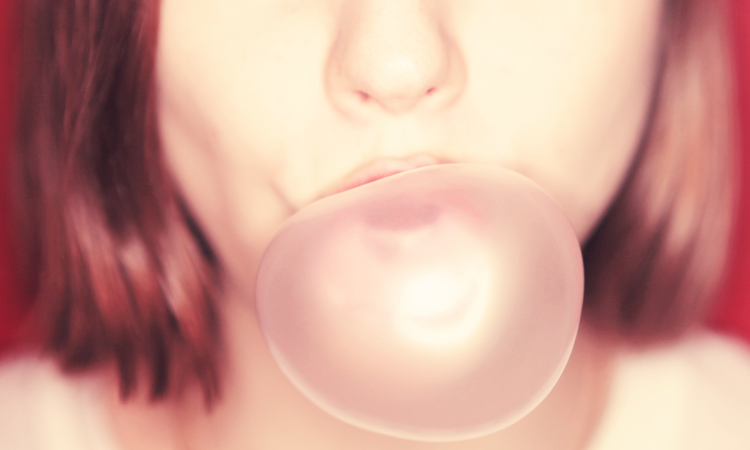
x=565, y=98
x=219, y=147
x=226, y=187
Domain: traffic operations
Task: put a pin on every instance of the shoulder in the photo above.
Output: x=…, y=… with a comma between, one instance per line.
x=693, y=394
x=719, y=381
x=40, y=408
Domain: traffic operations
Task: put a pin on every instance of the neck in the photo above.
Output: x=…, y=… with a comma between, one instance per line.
x=260, y=409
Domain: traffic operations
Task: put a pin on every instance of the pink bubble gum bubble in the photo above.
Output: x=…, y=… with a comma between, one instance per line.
x=438, y=304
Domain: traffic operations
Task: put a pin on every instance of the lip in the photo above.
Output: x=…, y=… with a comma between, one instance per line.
x=384, y=168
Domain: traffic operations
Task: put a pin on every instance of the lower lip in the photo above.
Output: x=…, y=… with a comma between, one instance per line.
x=387, y=168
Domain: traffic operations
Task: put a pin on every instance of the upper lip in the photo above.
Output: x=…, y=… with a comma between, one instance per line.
x=384, y=168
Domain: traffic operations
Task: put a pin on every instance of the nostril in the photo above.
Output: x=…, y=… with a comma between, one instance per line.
x=390, y=58
x=363, y=96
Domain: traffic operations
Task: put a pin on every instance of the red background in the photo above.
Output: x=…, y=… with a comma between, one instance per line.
x=731, y=315
x=10, y=302
x=733, y=312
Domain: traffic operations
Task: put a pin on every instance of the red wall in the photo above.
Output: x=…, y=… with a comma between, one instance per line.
x=10, y=305
x=732, y=315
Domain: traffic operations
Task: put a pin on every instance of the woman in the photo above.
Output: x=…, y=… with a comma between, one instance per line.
x=162, y=145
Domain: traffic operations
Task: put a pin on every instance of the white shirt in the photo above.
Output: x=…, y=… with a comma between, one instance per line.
x=694, y=395
x=42, y=409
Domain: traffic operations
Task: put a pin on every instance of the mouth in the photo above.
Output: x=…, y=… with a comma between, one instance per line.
x=384, y=168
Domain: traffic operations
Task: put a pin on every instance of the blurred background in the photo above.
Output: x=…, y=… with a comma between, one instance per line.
x=731, y=315
x=12, y=305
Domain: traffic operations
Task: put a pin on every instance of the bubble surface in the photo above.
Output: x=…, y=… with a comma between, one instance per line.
x=438, y=304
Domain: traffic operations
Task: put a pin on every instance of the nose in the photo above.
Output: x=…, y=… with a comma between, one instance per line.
x=394, y=56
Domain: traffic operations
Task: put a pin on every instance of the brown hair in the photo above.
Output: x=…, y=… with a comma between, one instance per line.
x=121, y=272
x=657, y=258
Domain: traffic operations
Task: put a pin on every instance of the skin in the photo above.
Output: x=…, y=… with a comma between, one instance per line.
x=268, y=105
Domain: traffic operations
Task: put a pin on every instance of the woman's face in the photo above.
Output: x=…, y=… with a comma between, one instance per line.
x=267, y=105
